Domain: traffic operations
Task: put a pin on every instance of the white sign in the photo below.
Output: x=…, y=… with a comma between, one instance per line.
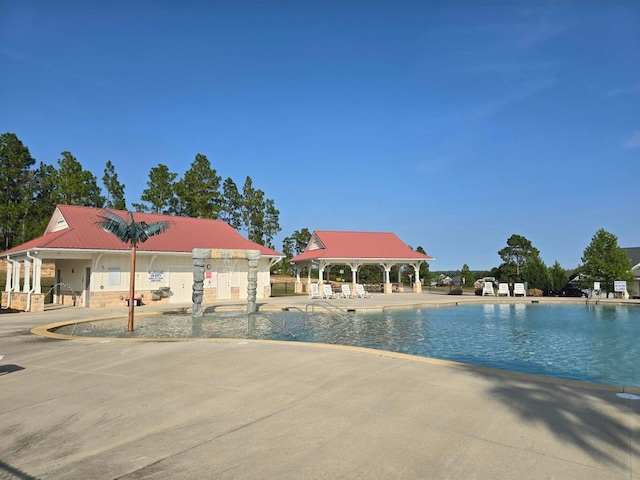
x=596, y=285
x=620, y=286
x=156, y=276
x=113, y=277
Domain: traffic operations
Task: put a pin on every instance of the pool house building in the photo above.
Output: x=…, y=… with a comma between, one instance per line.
x=92, y=266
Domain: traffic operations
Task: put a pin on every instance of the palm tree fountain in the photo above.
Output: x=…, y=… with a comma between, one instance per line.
x=131, y=233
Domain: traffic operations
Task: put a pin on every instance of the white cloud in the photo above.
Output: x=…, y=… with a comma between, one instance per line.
x=497, y=104
x=633, y=141
x=616, y=92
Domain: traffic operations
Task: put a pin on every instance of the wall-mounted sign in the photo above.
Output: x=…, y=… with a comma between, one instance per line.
x=156, y=276
x=113, y=277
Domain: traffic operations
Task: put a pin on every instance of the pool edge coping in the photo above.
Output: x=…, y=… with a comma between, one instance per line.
x=45, y=331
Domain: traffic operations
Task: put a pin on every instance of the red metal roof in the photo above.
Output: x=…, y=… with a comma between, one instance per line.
x=358, y=245
x=185, y=234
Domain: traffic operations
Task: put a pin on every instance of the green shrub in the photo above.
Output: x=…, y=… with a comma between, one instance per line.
x=455, y=291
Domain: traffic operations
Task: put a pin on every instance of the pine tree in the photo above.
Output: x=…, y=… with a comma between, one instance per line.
x=160, y=191
x=15, y=193
x=199, y=190
x=115, y=190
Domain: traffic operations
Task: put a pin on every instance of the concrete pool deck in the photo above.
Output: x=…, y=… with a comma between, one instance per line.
x=105, y=409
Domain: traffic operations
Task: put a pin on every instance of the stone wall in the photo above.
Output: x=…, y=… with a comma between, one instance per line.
x=19, y=301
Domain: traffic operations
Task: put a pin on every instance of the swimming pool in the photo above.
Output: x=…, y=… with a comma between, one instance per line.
x=594, y=343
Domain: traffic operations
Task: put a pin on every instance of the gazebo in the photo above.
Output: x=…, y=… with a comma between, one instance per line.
x=354, y=249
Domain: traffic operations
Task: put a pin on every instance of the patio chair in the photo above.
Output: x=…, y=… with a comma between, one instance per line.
x=487, y=289
x=315, y=291
x=346, y=291
x=327, y=291
x=503, y=289
x=361, y=292
x=518, y=289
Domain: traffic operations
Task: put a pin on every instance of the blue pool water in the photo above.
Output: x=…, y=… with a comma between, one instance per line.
x=592, y=343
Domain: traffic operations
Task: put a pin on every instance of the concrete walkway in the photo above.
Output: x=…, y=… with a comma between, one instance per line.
x=260, y=410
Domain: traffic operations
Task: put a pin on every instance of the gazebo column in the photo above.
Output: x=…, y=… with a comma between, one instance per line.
x=298, y=285
x=322, y=264
x=417, y=285
x=354, y=273
x=388, y=287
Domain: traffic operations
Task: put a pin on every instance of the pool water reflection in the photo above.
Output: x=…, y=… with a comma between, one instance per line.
x=592, y=343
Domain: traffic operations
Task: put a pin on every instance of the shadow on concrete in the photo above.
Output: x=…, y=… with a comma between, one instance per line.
x=4, y=369
x=572, y=416
x=13, y=472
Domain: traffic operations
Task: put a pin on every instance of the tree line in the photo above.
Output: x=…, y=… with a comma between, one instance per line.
x=602, y=261
x=30, y=192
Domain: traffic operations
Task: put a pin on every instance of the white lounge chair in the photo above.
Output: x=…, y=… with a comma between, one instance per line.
x=487, y=289
x=346, y=291
x=518, y=289
x=361, y=292
x=315, y=291
x=503, y=289
x=327, y=291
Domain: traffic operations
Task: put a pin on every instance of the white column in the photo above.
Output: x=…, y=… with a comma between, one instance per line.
x=37, y=274
x=416, y=269
x=27, y=276
x=16, y=277
x=8, y=284
x=354, y=271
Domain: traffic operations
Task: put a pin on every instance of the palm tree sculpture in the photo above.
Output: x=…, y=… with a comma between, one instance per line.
x=133, y=233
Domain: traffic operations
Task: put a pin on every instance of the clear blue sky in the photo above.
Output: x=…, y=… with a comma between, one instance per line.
x=453, y=124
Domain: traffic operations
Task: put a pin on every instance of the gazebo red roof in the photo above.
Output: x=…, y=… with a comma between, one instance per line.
x=335, y=245
x=73, y=228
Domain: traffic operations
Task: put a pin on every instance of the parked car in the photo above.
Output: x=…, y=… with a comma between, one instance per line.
x=572, y=291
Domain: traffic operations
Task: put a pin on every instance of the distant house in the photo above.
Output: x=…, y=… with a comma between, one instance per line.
x=354, y=249
x=634, y=255
x=92, y=266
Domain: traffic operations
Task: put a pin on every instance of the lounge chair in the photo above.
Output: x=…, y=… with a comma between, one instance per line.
x=518, y=289
x=361, y=292
x=487, y=289
x=503, y=289
x=346, y=291
x=327, y=291
x=315, y=291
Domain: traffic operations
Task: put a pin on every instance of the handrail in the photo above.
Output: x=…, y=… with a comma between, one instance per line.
x=308, y=315
x=263, y=315
x=329, y=307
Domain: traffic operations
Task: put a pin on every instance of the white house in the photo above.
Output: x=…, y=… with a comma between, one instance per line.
x=92, y=266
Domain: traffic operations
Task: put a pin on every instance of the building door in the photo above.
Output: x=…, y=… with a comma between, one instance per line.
x=223, y=286
x=87, y=286
x=56, y=287
x=180, y=283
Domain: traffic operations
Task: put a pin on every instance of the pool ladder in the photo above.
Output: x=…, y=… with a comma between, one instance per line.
x=309, y=314
x=270, y=320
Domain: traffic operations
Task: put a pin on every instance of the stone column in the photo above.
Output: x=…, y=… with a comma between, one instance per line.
x=253, y=256
x=200, y=257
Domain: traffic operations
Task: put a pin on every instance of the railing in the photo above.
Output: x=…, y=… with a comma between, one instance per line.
x=308, y=313
x=283, y=289
x=329, y=307
x=269, y=319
